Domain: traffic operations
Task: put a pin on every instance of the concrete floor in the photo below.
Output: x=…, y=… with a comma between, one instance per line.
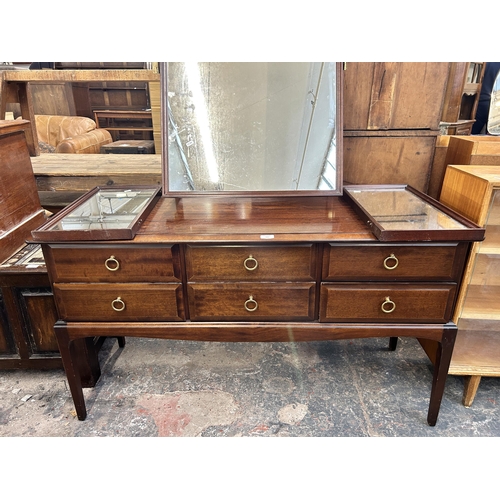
x=317, y=389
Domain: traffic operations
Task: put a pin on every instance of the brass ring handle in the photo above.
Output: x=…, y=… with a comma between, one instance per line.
x=118, y=304
x=115, y=265
x=253, y=263
x=251, y=304
x=391, y=306
x=393, y=258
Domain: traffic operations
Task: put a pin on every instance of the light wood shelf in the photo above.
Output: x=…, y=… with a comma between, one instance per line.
x=474, y=191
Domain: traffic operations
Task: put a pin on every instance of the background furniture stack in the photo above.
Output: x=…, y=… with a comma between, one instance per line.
x=397, y=115
x=392, y=113
x=462, y=97
x=21, y=87
x=27, y=309
x=471, y=186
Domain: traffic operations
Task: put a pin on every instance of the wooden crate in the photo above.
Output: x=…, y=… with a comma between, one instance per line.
x=473, y=150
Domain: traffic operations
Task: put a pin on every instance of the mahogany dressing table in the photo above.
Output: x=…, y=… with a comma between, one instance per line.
x=253, y=265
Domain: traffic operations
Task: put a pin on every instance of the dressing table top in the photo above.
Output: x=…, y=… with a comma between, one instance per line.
x=252, y=219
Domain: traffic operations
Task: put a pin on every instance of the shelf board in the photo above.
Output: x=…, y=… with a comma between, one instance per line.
x=476, y=352
x=490, y=250
x=482, y=302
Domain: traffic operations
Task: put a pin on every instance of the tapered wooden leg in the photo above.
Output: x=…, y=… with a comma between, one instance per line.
x=121, y=341
x=70, y=363
x=471, y=384
x=86, y=353
x=441, y=366
x=393, y=343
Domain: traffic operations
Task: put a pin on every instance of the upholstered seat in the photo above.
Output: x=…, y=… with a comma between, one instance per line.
x=70, y=134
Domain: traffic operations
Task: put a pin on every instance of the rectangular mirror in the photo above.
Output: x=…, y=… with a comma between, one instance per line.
x=104, y=213
x=401, y=213
x=252, y=127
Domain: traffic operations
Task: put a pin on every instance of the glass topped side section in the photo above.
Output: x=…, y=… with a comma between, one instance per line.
x=252, y=126
x=108, y=209
x=400, y=209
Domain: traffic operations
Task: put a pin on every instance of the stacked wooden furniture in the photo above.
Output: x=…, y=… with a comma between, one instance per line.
x=15, y=86
x=462, y=97
x=98, y=95
x=118, y=99
x=126, y=124
x=392, y=113
x=473, y=189
x=27, y=309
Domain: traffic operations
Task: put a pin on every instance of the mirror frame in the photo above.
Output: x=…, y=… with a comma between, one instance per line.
x=493, y=120
x=166, y=192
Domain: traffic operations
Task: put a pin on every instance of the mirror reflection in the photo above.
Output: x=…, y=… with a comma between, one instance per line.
x=494, y=114
x=252, y=126
x=399, y=209
x=109, y=209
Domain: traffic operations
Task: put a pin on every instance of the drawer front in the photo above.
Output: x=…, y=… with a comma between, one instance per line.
x=120, y=302
x=113, y=263
x=247, y=302
x=394, y=262
x=423, y=303
x=251, y=263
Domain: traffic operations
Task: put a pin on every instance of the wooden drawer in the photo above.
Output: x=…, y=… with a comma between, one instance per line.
x=113, y=263
x=251, y=263
x=247, y=302
x=409, y=303
x=135, y=302
x=443, y=262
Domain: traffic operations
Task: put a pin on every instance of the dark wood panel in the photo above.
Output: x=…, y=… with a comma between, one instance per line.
x=389, y=160
x=6, y=346
x=41, y=315
x=394, y=95
x=19, y=204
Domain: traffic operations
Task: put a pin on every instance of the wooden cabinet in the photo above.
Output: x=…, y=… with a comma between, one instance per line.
x=96, y=95
x=394, y=95
x=27, y=308
x=29, y=313
x=389, y=157
x=392, y=112
x=474, y=191
x=191, y=274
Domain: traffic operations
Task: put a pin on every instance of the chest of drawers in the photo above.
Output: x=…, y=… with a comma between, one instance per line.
x=191, y=274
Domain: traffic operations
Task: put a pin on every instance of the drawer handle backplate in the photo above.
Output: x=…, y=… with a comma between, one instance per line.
x=112, y=264
x=388, y=306
x=395, y=262
x=250, y=263
x=251, y=304
x=118, y=304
